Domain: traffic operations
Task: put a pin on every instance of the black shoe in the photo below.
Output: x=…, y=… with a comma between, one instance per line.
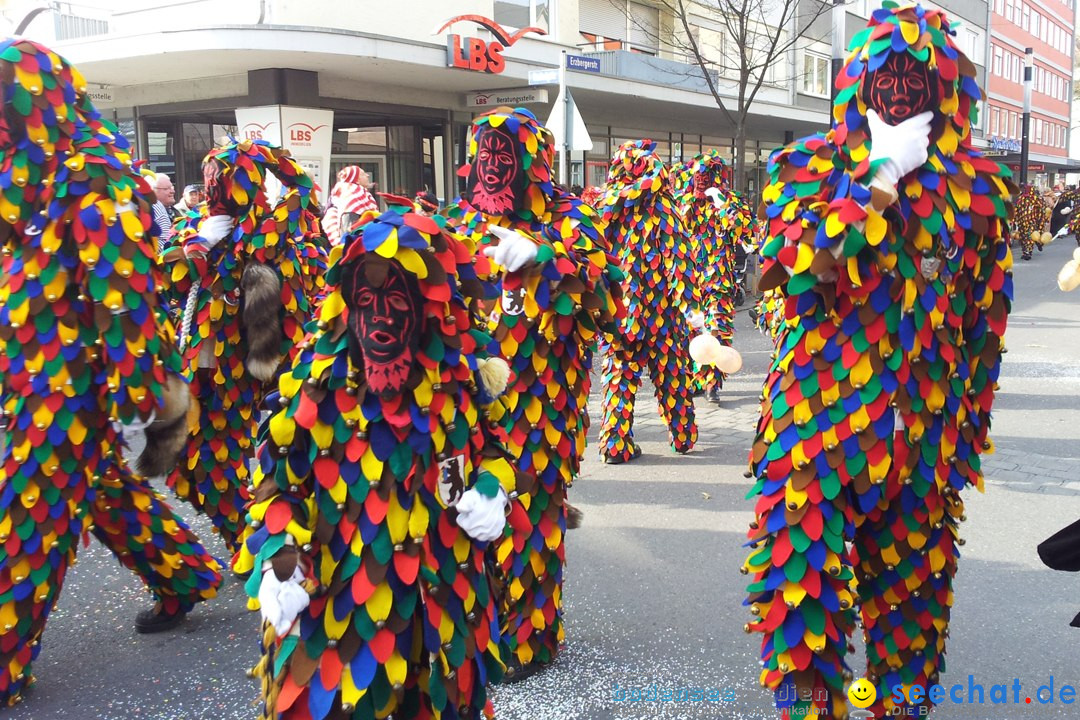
x=155, y=619
x=713, y=394
x=1039, y=245
x=635, y=453
x=516, y=672
x=1025, y=257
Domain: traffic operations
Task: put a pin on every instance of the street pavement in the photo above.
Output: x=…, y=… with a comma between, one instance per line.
x=653, y=593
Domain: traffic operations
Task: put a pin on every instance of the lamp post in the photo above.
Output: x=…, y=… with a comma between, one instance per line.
x=1025, y=129
x=839, y=20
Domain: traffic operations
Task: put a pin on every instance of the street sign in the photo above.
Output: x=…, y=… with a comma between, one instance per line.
x=582, y=63
x=579, y=135
x=548, y=76
x=512, y=97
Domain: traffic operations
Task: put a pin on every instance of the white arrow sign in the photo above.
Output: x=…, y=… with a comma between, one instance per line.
x=544, y=77
x=579, y=134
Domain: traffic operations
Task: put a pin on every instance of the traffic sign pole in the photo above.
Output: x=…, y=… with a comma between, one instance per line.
x=564, y=147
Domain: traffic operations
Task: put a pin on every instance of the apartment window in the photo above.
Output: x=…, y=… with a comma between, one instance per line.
x=1009, y=10
x=644, y=26
x=602, y=18
x=1025, y=18
x=523, y=13
x=1013, y=118
x=70, y=27
x=815, y=74
x=1035, y=24
x=999, y=7
x=997, y=60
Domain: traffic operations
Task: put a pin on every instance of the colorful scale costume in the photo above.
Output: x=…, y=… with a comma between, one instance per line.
x=256, y=290
x=545, y=326
x=710, y=232
x=646, y=234
x=83, y=346
x=877, y=406
x=353, y=486
x=1029, y=220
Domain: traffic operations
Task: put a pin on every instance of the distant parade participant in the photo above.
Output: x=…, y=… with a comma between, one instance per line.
x=349, y=201
x=646, y=234
x=86, y=354
x=1029, y=220
x=378, y=489
x=1063, y=210
x=556, y=290
x=701, y=188
x=247, y=274
x=889, y=237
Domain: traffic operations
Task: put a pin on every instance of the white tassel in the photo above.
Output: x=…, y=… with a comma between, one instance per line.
x=1069, y=277
x=493, y=374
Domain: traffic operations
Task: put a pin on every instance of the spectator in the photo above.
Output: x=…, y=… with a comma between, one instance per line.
x=427, y=202
x=349, y=201
x=163, y=208
x=193, y=195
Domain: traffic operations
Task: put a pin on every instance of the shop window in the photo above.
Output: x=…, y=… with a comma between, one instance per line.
x=523, y=13
x=815, y=80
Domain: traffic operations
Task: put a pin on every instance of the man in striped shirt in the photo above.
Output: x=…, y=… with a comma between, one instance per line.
x=163, y=208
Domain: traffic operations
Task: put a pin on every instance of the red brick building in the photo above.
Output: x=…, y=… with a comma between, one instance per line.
x=1048, y=27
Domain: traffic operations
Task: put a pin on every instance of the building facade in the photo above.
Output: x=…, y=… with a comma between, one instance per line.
x=404, y=80
x=1048, y=27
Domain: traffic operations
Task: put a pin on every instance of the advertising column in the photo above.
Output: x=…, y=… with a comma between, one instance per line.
x=304, y=132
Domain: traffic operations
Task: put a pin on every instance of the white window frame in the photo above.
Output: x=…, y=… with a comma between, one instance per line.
x=822, y=64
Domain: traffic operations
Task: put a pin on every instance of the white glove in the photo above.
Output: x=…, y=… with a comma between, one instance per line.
x=514, y=250
x=903, y=146
x=714, y=195
x=213, y=229
x=280, y=602
x=696, y=320
x=1065, y=210
x=483, y=518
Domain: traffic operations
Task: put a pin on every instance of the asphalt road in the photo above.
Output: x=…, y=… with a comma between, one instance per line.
x=653, y=591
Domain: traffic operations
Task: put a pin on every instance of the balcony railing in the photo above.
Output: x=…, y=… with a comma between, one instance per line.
x=639, y=62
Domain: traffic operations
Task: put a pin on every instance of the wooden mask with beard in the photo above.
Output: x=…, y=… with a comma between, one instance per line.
x=496, y=183
x=386, y=313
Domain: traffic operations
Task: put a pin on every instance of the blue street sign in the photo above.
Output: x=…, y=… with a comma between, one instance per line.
x=582, y=63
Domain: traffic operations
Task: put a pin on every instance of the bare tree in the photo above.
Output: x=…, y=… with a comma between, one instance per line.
x=757, y=34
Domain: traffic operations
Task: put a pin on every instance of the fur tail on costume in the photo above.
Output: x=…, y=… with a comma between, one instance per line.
x=262, y=320
x=574, y=517
x=167, y=435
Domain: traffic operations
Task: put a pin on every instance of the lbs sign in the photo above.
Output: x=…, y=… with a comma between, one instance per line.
x=476, y=54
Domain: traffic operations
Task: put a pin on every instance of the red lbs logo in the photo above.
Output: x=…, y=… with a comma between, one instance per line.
x=477, y=55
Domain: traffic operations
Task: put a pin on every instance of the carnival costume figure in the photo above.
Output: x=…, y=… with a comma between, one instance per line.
x=349, y=201
x=703, y=197
x=556, y=291
x=889, y=237
x=379, y=486
x=86, y=354
x=1030, y=218
x=247, y=271
x=646, y=234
